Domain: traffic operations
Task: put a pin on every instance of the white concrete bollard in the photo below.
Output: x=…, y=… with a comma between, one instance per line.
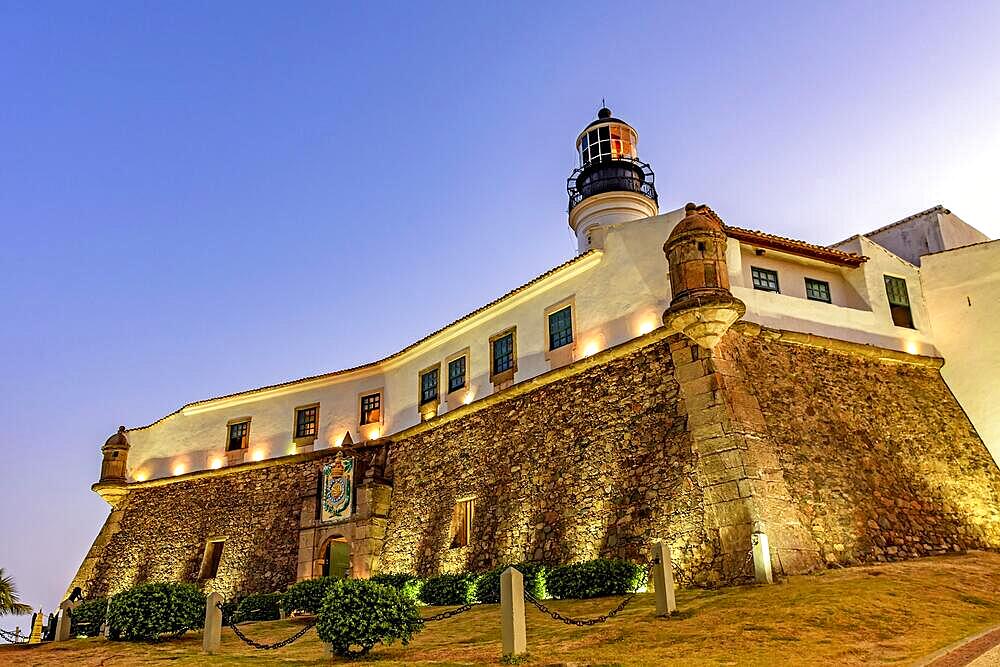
x=65, y=621
x=213, y=624
x=761, y=559
x=512, y=630
x=663, y=580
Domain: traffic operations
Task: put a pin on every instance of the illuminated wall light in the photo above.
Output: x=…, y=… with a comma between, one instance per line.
x=591, y=348
x=179, y=469
x=258, y=455
x=215, y=463
x=646, y=326
x=912, y=347
x=469, y=397
x=292, y=448
x=141, y=476
x=374, y=433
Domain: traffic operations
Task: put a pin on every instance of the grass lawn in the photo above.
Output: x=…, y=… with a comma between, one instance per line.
x=893, y=613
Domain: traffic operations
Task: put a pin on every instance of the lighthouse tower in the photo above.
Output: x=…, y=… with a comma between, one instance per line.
x=611, y=185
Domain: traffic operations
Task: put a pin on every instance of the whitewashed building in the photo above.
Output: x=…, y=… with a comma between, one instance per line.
x=926, y=285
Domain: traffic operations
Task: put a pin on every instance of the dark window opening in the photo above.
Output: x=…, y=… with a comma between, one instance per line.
x=239, y=436
x=371, y=409
x=305, y=422
x=701, y=246
x=461, y=523
x=899, y=302
x=817, y=290
x=764, y=279
x=213, y=556
x=456, y=374
x=560, y=328
x=503, y=353
x=429, y=386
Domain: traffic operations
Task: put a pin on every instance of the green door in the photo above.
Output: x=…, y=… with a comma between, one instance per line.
x=338, y=559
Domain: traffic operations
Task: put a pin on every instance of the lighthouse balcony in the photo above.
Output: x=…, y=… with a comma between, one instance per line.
x=615, y=175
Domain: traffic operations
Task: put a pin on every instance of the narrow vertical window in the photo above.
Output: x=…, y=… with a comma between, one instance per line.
x=239, y=436
x=429, y=386
x=306, y=420
x=817, y=290
x=371, y=408
x=560, y=328
x=461, y=523
x=503, y=358
x=764, y=279
x=899, y=302
x=212, y=558
x=456, y=374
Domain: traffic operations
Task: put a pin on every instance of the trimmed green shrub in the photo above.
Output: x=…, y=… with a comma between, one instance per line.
x=448, y=589
x=357, y=614
x=150, y=611
x=488, y=586
x=407, y=584
x=307, y=596
x=87, y=618
x=595, y=578
x=259, y=607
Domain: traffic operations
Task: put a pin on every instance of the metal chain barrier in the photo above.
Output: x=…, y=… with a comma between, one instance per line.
x=448, y=614
x=13, y=637
x=583, y=622
x=268, y=647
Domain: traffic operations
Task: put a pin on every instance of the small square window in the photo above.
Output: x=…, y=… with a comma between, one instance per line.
x=560, y=328
x=764, y=279
x=306, y=422
x=212, y=558
x=239, y=436
x=456, y=374
x=428, y=386
x=371, y=408
x=461, y=523
x=503, y=353
x=817, y=290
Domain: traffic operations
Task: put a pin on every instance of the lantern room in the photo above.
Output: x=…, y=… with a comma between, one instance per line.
x=610, y=184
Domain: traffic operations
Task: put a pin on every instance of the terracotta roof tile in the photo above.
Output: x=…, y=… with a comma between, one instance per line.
x=795, y=247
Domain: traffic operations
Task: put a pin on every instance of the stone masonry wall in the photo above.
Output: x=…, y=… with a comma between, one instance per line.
x=596, y=464
x=878, y=456
x=840, y=457
x=162, y=530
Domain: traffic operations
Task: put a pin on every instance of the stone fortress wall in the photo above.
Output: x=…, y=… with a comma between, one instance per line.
x=842, y=453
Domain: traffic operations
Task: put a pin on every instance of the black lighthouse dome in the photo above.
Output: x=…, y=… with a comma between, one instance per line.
x=609, y=161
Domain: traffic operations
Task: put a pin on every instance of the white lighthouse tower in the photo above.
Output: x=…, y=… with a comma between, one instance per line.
x=610, y=185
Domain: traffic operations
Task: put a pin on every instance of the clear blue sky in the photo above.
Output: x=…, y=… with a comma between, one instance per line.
x=197, y=198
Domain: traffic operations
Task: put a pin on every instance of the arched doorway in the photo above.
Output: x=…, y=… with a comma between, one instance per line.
x=336, y=558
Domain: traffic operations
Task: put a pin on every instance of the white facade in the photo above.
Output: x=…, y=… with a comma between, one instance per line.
x=617, y=291
x=962, y=290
